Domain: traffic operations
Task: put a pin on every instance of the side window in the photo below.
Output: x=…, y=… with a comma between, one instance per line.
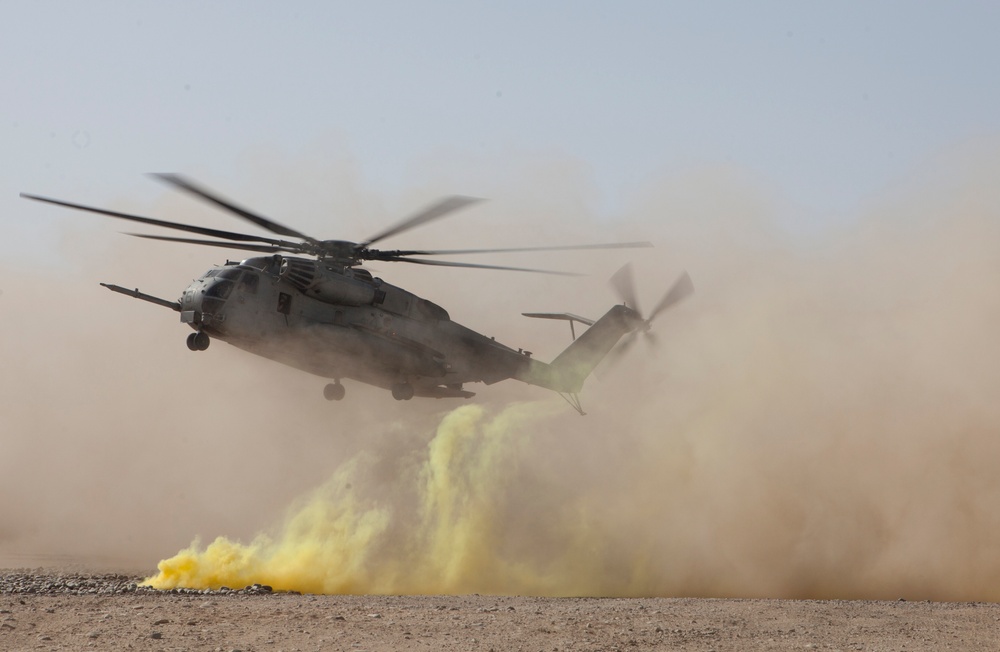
x=284, y=303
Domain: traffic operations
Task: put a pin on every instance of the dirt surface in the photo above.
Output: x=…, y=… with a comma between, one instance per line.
x=61, y=611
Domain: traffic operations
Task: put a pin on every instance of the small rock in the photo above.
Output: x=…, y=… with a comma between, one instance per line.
x=156, y=636
x=161, y=621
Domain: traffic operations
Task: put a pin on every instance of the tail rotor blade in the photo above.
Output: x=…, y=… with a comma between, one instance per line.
x=680, y=290
x=626, y=344
x=624, y=284
x=615, y=355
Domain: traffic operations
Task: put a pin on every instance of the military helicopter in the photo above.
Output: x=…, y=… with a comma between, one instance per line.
x=319, y=311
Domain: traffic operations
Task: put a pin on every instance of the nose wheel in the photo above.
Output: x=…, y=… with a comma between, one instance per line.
x=198, y=341
x=334, y=391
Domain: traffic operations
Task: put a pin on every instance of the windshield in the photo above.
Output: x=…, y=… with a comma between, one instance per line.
x=220, y=289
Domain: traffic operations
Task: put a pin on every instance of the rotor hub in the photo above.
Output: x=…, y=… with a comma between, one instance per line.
x=343, y=251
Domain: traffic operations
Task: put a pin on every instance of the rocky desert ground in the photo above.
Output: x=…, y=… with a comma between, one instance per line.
x=51, y=610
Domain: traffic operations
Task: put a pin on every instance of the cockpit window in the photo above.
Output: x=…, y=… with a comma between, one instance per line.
x=210, y=273
x=258, y=263
x=249, y=283
x=220, y=289
x=229, y=273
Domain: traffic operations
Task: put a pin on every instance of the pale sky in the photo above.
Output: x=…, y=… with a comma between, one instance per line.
x=827, y=104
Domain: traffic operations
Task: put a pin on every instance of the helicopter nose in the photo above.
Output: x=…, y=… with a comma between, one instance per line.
x=191, y=299
x=190, y=302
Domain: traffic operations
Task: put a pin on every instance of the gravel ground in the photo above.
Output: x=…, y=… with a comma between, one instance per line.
x=45, y=610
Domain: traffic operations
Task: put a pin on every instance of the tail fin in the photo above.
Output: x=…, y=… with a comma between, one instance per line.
x=571, y=367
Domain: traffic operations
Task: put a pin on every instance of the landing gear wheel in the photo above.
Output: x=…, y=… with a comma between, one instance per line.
x=334, y=392
x=198, y=341
x=402, y=391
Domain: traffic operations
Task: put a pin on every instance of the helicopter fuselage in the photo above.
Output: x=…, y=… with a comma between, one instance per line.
x=340, y=322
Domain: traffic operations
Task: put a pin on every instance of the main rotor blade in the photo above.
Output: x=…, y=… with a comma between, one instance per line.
x=218, y=243
x=180, y=182
x=457, y=252
x=624, y=285
x=445, y=263
x=229, y=235
x=432, y=212
x=681, y=289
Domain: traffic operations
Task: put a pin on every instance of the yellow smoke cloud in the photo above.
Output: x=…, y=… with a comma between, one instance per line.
x=447, y=539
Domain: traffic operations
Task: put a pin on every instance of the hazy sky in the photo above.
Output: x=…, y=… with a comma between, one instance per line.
x=825, y=104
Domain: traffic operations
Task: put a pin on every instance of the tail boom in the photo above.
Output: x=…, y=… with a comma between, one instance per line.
x=567, y=373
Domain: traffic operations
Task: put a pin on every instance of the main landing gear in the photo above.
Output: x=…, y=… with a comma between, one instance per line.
x=198, y=341
x=334, y=391
x=402, y=391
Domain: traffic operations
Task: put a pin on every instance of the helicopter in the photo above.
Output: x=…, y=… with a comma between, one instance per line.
x=320, y=311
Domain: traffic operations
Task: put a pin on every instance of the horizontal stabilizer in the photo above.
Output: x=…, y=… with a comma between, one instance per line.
x=565, y=316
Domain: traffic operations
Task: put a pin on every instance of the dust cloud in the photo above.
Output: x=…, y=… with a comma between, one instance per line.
x=819, y=420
